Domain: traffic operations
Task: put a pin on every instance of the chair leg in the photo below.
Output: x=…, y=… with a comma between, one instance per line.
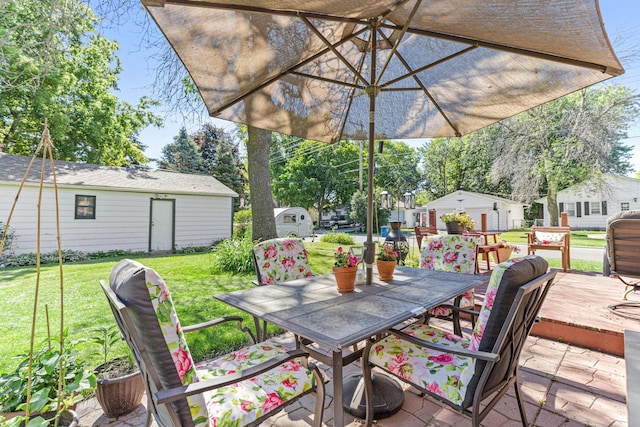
x=320, y=396
x=523, y=414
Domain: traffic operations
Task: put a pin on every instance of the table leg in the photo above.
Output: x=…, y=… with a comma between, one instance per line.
x=338, y=411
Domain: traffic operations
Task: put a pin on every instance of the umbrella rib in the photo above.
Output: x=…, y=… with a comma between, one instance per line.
x=512, y=49
x=253, y=9
x=424, y=88
x=334, y=50
x=404, y=29
x=283, y=72
x=326, y=79
x=344, y=122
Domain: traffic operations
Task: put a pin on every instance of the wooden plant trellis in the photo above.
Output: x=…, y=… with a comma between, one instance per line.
x=44, y=148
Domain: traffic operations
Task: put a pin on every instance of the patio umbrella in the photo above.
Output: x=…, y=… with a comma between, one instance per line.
x=326, y=69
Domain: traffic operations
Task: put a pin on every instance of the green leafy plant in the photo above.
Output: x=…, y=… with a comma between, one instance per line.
x=233, y=255
x=345, y=259
x=461, y=218
x=107, y=338
x=339, y=238
x=387, y=253
x=44, y=382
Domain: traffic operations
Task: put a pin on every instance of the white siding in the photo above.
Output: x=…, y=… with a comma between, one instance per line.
x=122, y=219
x=614, y=190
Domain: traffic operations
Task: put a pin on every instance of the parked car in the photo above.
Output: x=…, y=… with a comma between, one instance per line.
x=337, y=221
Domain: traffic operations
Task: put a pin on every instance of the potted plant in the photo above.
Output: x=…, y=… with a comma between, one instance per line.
x=506, y=249
x=119, y=388
x=345, y=269
x=386, y=261
x=458, y=222
x=44, y=404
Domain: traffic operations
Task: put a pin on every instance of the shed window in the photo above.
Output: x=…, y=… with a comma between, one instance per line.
x=624, y=206
x=85, y=207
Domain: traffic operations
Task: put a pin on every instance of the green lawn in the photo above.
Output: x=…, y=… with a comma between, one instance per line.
x=190, y=280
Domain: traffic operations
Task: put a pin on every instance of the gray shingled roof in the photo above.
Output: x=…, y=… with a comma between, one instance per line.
x=12, y=169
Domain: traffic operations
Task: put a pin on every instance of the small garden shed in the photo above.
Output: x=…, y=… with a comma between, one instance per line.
x=105, y=208
x=502, y=214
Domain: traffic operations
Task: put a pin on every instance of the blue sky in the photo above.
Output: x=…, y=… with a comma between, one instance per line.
x=619, y=16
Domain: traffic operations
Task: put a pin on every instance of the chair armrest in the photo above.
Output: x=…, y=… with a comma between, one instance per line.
x=468, y=311
x=218, y=321
x=176, y=393
x=482, y=355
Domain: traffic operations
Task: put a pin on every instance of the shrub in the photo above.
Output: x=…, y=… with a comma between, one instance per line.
x=242, y=224
x=339, y=238
x=233, y=255
x=6, y=249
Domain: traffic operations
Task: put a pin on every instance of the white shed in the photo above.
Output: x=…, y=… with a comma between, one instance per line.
x=590, y=203
x=502, y=214
x=105, y=208
x=294, y=221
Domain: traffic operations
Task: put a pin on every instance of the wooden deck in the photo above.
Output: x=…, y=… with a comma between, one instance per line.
x=576, y=312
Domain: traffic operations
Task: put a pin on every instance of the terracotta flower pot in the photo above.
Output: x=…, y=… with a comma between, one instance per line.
x=385, y=270
x=345, y=278
x=504, y=253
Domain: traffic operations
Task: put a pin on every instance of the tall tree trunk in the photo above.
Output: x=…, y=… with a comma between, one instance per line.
x=552, y=204
x=258, y=147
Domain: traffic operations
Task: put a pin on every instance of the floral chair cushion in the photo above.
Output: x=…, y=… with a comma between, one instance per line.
x=545, y=238
x=447, y=375
x=455, y=253
x=242, y=402
x=433, y=370
x=248, y=400
x=279, y=260
x=176, y=342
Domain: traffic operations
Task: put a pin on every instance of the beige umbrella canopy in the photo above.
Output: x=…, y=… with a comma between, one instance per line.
x=331, y=69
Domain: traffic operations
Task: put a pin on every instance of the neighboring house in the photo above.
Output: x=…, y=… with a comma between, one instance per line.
x=104, y=208
x=502, y=214
x=590, y=203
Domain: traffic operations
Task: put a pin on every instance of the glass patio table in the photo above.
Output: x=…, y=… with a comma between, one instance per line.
x=315, y=312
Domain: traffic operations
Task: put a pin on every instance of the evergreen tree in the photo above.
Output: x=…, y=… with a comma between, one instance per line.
x=182, y=155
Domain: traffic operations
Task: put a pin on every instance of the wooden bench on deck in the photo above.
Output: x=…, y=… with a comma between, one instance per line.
x=551, y=238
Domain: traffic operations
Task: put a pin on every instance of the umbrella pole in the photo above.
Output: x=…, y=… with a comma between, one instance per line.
x=370, y=246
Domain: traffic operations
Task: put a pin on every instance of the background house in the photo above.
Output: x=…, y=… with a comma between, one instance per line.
x=104, y=208
x=502, y=214
x=590, y=203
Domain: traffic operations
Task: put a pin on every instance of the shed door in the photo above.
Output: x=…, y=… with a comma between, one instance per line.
x=162, y=225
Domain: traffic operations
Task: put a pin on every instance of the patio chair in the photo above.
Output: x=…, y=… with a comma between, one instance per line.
x=279, y=260
x=242, y=388
x=467, y=373
x=621, y=258
x=456, y=253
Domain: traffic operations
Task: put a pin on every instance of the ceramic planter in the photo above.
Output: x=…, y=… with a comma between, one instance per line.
x=385, y=270
x=345, y=278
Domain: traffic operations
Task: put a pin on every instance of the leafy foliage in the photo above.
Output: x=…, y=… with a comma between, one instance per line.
x=56, y=65
x=44, y=379
x=233, y=255
x=339, y=238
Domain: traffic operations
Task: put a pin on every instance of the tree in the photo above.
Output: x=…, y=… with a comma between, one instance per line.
x=397, y=168
x=564, y=142
x=55, y=65
x=221, y=158
x=258, y=145
x=182, y=155
x=317, y=174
